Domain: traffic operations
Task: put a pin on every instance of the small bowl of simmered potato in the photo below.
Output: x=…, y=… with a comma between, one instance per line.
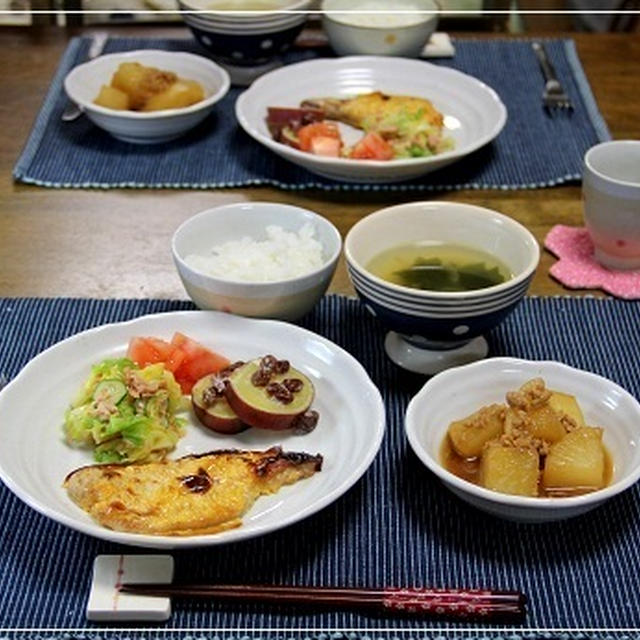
x=147, y=96
x=530, y=441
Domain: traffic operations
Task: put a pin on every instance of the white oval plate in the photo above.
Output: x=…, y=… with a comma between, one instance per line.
x=474, y=113
x=34, y=459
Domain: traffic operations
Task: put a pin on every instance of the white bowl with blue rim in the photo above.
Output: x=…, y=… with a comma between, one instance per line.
x=83, y=84
x=457, y=393
x=284, y=299
x=430, y=331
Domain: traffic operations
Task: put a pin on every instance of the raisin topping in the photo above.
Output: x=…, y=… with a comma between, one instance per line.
x=269, y=366
x=210, y=395
x=260, y=378
x=272, y=388
x=227, y=371
x=282, y=366
x=279, y=392
x=268, y=363
x=293, y=384
x=306, y=422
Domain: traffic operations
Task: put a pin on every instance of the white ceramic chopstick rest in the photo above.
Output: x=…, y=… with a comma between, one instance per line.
x=107, y=604
x=439, y=46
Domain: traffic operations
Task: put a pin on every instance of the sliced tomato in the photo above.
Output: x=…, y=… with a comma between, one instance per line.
x=317, y=129
x=197, y=361
x=326, y=146
x=372, y=147
x=191, y=371
x=187, y=359
x=175, y=359
x=184, y=342
x=145, y=351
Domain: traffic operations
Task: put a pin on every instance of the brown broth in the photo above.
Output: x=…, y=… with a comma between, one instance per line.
x=469, y=469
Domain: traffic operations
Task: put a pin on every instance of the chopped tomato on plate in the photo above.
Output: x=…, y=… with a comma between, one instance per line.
x=187, y=359
x=318, y=130
x=326, y=146
x=372, y=147
x=146, y=351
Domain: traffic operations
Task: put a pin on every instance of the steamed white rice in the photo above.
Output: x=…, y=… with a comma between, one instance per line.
x=281, y=256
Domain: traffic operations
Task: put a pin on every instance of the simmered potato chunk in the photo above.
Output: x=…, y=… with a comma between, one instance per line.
x=510, y=469
x=577, y=462
x=112, y=98
x=566, y=404
x=469, y=435
x=181, y=93
x=545, y=424
x=140, y=82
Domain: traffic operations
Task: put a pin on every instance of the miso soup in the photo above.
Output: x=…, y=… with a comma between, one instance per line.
x=439, y=267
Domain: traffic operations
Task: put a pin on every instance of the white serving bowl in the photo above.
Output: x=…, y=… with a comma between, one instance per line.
x=83, y=84
x=458, y=392
x=433, y=330
x=473, y=113
x=379, y=34
x=283, y=299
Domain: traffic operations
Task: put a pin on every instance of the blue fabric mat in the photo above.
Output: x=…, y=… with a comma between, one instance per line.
x=397, y=526
x=534, y=150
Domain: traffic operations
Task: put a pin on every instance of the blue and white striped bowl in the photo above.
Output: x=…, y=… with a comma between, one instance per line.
x=434, y=318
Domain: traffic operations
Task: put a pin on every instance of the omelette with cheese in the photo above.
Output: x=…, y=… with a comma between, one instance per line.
x=194, y=495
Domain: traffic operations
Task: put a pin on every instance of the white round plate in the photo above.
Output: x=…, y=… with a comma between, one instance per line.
x=34, y=459
x=474, y=113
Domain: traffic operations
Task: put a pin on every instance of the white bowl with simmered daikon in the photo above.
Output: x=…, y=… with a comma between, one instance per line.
x=530, y=441
x=86, y=84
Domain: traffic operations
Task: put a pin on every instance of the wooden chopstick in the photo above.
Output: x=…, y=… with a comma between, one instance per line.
x=468, y=604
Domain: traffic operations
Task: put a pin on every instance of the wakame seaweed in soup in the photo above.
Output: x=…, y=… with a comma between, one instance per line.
x=443, y=267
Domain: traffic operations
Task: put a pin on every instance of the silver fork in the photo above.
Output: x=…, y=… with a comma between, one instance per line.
x=553, y=96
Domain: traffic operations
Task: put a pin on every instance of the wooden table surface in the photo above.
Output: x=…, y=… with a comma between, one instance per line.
x=116, y=243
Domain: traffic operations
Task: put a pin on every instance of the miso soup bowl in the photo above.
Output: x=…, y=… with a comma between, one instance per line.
x=604, y=404
x=431, y=320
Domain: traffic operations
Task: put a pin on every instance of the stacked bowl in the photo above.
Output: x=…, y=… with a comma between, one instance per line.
x=245, y=37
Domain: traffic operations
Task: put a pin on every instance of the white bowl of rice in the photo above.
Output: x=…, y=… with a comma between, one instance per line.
x=379, y=27
x=258, y=259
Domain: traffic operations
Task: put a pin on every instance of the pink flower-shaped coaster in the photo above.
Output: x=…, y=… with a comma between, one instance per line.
x=578, y=269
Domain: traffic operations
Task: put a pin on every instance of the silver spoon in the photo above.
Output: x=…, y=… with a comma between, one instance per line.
x=99, y=40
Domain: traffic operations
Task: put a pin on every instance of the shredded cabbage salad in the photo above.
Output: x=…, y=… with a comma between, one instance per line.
x=127, y=413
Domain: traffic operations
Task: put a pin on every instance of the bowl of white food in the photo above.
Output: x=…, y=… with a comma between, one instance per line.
x=258, y=259
x=377, y=27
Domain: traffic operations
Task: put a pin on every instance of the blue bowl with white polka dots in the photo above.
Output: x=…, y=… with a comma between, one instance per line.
x=246, y=49
x=444, y=319
x=245, y=40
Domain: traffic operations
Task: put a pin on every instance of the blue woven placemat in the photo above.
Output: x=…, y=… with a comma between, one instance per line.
x=397, y=526
x=534, y=149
